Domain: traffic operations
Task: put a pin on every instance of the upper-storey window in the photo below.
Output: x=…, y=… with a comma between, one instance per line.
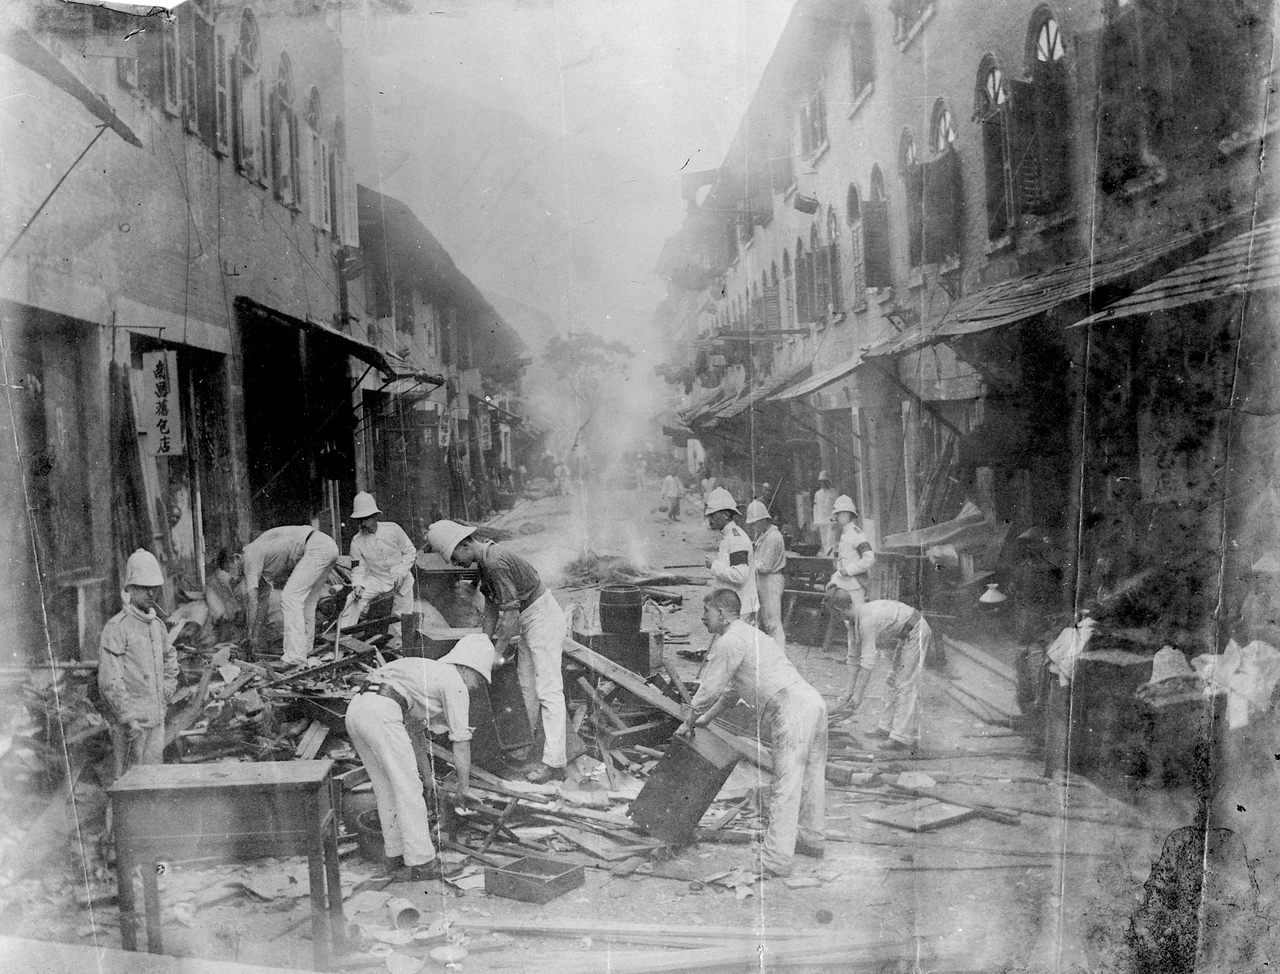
x=908, y=17
x=1040, y=140
x=788, y=292
x=835, y=278
x=875, y=233
x=342, y=190
x=804, y=283
x=316, y=164
x=912, y=174
x=195, y=30
x=862, y=56
x=942, y=199
x=772, y=300
x=991, y=108
x=284, y=136
x=855, y=260
x=246, y=99
x=812, y=124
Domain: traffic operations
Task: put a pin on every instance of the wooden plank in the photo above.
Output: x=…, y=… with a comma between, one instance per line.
x=311, y=741
x=599, y=928
x=595, y=845
x=638, y=687
x=923, y=815
x=1000, y=815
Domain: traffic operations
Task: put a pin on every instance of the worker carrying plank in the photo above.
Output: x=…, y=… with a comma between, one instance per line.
x=384, y=558
x=518, y=606
x=300, y=558
x=745, y=663
x=888, y=619
x=770, y=561
x=137, y=667
x=734, y=564
x=385, y=722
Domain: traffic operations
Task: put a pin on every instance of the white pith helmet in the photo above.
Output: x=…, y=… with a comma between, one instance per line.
x=364, y=506
x=844, y=503
x=474, y=650
x=720, y=500
x=142, y=568
x=756, y=511
x=444, y=536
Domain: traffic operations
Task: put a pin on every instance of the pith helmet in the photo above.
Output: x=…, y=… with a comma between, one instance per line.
x=756, y=511
x=823, y=475
x=143, y=569
x=720, y=500
x=474, y=650
x=844, y=503
x=444, y=536
x=364, y=506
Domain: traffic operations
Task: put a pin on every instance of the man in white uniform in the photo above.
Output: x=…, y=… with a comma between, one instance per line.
x=854, y=559
x=824, y=499
x=745, y=663
x=518, y=605
x=385, y=722
x=384, y=558
x=770, y=559
x=887, y=619
x=734, y=564
x=300, y=558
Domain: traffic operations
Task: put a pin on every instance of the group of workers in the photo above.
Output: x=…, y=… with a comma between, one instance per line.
x=747, y=659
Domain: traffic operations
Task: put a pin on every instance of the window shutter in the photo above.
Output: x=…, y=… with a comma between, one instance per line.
x=804, y=288
x=151, y=65
x=187, y=22
x=875, y=234
x=1024, y=148
x=772, y=308
x=942, y=208
x=789, y=301
x=995, y=167
x=262, y=144
x=915, y=214
x=307, y=196
x=223, y=66
x=855, y=268
x=351, y=220
x=171, y=68
x=1052, y=109
x=835, y=287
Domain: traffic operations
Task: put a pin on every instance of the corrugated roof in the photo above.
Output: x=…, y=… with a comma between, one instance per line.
x=774, y=385
x=1007, y=302
x=1025, y=297
x=1249, y=262
x=823, y=378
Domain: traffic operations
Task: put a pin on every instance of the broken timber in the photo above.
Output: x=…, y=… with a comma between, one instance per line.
x=752, y=751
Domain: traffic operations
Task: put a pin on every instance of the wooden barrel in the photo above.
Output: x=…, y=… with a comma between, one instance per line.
x=620, y=608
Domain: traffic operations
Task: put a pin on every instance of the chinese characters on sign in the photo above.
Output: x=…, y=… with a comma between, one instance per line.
x=161, y=417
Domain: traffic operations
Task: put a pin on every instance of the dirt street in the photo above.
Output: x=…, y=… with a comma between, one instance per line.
x=1052, y=892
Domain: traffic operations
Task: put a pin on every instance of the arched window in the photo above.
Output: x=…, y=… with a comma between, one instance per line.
x=877, y=252
x=941, y=132
x=316, y=164
x=246, y=99
x=991, y=109
x=820, y=276
x=788, y=292
x=835, y=278
x=342, y=190
x=804, y=284
x=755, y=318
x=284, y=136
x=912, y=174
x=1040, y=135
x=856, y=261
x=862, y=60
x=772, y=299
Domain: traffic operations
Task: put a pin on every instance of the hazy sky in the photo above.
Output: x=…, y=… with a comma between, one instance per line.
x=542, y=141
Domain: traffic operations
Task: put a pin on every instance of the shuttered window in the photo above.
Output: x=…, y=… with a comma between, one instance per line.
x=246, y=100
x=835, y=282
x=855, y=258
x=788, y=293
x=992, y=110
x=943, y=203
x=804, y=284
x=223, y=65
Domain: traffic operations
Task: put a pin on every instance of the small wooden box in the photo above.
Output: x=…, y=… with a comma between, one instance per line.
x=533, y=880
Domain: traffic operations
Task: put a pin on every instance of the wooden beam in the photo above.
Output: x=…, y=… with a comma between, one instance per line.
x=624, y=678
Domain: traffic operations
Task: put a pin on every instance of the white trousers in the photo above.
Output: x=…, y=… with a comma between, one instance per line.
x=900, y=718
x=300, y=594
x=538, y=663
x=770, y=587
x=376, y=727
x=375, y=585
x=797, y=799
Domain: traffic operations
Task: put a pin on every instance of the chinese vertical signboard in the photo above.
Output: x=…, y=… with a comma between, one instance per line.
x=161, y=417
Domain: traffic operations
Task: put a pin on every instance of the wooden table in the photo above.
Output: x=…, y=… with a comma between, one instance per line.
x=239, y=811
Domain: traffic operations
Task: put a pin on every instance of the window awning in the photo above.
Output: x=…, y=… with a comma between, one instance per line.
x=820, y=379
x=369, y=354
x=1008, y=302
x=770, y=388
x=1242, y=265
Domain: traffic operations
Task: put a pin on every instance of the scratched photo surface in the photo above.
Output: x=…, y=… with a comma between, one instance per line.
x=639, y=486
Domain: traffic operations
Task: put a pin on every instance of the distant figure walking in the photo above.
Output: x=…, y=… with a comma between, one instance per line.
x=672, y=490
x=642, y=474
